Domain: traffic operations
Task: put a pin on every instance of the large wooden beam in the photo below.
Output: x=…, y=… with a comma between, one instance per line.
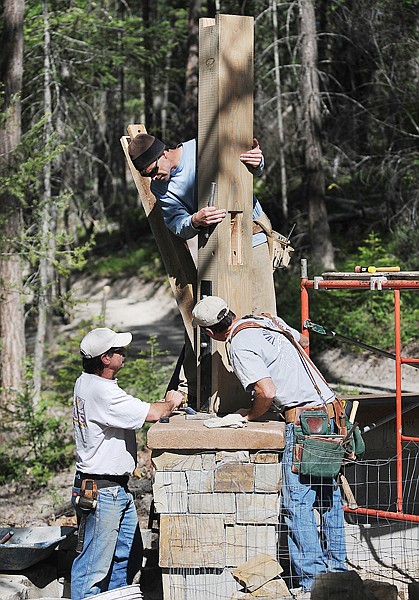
x=225, y=130
x=175, y=254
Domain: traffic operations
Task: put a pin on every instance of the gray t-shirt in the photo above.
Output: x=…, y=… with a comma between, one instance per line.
x=257, y=353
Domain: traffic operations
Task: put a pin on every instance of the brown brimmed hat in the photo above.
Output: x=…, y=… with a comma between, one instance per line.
x=144, y=149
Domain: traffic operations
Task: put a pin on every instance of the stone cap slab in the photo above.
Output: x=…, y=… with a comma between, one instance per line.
x=186, y=434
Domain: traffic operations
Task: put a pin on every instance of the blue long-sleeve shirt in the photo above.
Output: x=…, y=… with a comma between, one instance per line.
x=178, y=196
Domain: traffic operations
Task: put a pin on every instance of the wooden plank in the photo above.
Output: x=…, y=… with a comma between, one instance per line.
x=225, y=130
x=175, y=254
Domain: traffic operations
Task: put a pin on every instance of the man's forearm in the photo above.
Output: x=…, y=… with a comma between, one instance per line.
x=164, y=409
x=264, y=394
x=259, y=408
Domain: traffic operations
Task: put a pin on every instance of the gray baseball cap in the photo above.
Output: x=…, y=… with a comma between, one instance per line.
x=209, y=311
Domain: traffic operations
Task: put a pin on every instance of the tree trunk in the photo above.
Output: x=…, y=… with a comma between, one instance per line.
x=47, y=227
x=12, y=326
x=148, y=79
x=321, y=245
x=280, y=123
x=191, y=80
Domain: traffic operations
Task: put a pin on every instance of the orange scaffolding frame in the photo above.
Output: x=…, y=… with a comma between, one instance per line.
x=373, y=282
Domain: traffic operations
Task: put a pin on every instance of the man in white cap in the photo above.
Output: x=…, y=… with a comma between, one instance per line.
x=105, y=419
x=265, y=354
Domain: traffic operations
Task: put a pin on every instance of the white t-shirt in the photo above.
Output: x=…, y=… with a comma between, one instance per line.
x=258, y=353
x=105, y=419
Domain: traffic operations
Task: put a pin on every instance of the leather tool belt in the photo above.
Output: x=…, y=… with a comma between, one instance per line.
x=86, y=501
x=280, y=249
x=292, y=415
x=102, y=481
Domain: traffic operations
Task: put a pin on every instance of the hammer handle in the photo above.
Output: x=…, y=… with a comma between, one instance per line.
x=354, y=409
x=352, y=503
x=372, y=269
x=6, y=537
x=81, y=533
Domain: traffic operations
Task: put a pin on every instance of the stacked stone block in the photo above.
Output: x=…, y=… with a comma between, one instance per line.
x=217, y=510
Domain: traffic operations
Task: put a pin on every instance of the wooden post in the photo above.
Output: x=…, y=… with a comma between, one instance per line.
x=175, y=254
x=225, y=130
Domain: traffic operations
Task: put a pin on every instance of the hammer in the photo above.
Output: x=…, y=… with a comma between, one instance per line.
x=6, y=537
x=352, y=503
x=371, y=269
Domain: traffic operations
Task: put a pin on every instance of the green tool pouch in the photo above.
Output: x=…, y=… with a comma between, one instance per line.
x=318, y=455
x=315, y=422
x=323, y=455
x=355, y=445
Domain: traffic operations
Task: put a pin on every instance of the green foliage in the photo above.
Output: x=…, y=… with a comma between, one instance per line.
x=144, y=262
x=287, y=287
x=366, y=316
x=38, y=439
x=374, y=253
x=66, y=257
x=145, y=377
x=29, y=161
x=405, y=242
x=57, y=246
x=11, y=464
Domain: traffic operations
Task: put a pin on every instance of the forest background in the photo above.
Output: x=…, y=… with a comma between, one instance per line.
x=337, y=116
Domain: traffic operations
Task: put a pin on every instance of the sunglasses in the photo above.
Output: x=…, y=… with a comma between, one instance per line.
x=152, y=171
x=121, y=351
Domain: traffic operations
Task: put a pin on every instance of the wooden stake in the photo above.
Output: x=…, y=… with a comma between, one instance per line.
x=225, y=130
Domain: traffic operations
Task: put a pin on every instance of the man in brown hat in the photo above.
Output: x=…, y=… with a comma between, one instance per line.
x=152, y=159
x=173, y=176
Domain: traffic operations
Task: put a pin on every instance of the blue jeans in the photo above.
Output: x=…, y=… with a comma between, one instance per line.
x=311, y=552
x=112, y=549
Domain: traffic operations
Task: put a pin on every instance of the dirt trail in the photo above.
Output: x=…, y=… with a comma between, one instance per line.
x=145, y=309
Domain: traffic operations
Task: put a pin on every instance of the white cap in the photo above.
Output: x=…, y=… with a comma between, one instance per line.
x=100, y=340
x=209, y=311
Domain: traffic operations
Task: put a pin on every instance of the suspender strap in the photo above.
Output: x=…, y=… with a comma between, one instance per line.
x=306, y=361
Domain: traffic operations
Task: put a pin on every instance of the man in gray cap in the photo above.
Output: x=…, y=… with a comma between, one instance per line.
x=265, y=354
x=105, y=419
